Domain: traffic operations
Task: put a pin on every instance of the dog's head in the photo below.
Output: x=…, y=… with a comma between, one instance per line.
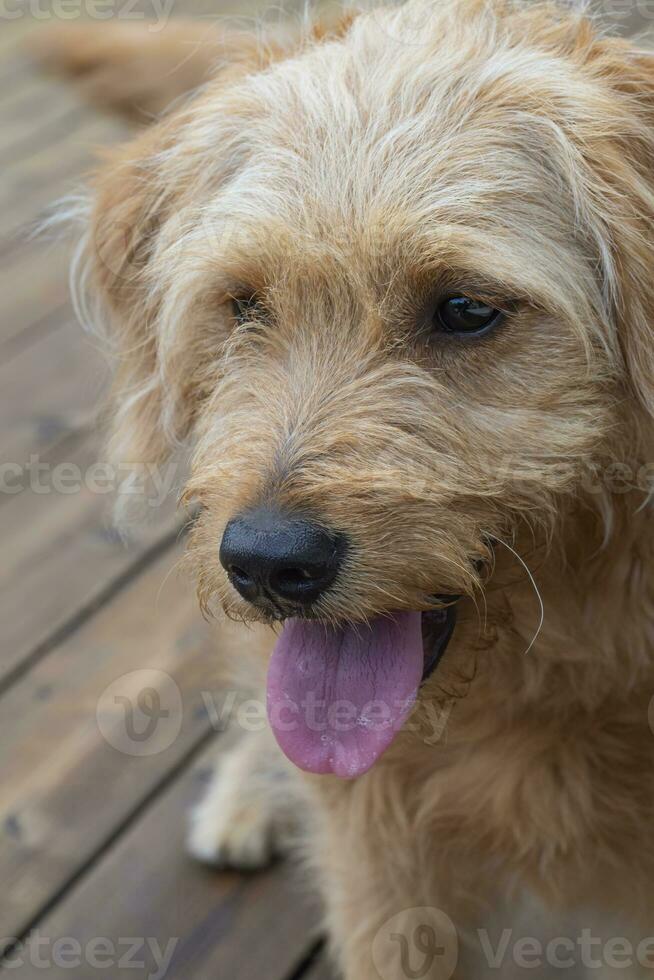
x=396, y=291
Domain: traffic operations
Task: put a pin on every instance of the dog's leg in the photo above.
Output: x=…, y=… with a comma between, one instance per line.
x=247, y=815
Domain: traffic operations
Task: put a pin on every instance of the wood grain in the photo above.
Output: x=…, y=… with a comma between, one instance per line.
x=220, y=925
x=65, y=788
x=49, y=390
x=62, y=556
x=321, y=970
x=34, y=284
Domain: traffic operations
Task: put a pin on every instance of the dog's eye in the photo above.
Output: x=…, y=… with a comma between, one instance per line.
x=461, y=315
x=246, y=308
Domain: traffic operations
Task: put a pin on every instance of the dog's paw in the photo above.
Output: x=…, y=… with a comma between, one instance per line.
x=237, y=824
x=226, y=835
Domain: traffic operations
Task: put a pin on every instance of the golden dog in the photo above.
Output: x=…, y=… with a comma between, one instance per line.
x=393, y=283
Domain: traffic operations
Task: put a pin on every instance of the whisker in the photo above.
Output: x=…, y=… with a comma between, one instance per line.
x=175, y=567
x=535, y=587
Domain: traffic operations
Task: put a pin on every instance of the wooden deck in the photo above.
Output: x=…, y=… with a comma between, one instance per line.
x=91, y=845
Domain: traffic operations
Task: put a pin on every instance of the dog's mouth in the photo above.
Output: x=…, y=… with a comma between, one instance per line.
x=338, y=696
x=437, y=629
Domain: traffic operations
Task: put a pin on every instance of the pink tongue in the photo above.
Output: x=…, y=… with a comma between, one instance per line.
x=338, y=697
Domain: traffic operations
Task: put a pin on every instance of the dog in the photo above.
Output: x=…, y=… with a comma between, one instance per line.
x=390, y=280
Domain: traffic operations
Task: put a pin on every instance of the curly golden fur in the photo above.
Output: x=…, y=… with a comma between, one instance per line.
x=344, y=177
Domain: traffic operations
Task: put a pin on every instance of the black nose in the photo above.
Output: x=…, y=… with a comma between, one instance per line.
x=270, y=555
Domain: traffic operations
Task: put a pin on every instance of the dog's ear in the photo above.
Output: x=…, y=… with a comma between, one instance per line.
x=623, y=162
x=130, y=207
x=142, y=198
x=638, y=260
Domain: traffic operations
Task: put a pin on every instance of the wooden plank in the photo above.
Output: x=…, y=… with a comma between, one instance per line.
x=218, y=925
x=61, y=556
x=71, y=771
x=15, y=31
x=61, y=123
x=14, y=70
x=15, y=98
x=268, y=934
x=30, y=329
x=33, y=284
x=37, y=119
x=322, y=969
x=41, y=171
x=50, y=389
x=33, y=186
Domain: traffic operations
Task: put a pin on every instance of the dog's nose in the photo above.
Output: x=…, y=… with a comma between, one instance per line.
x=271, y=555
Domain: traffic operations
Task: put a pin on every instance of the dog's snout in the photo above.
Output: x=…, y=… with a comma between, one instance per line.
x=269, y=555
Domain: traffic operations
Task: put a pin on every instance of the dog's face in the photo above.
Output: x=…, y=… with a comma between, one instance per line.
x=395, y=290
